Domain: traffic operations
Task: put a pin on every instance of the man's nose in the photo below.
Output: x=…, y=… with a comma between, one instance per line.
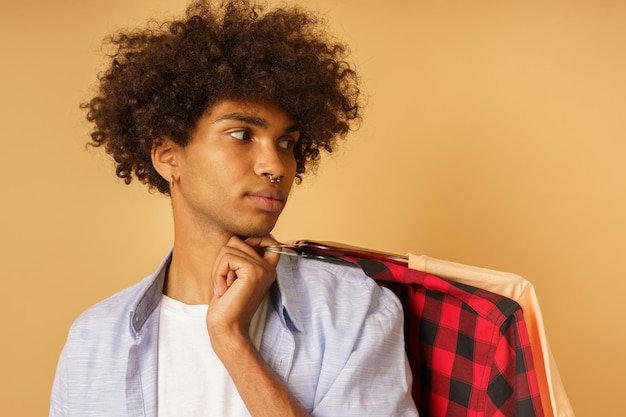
x=268, y=160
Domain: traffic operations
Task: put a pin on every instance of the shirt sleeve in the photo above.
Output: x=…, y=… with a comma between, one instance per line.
x=376, y=378
x=513, y=388
x=58, y=403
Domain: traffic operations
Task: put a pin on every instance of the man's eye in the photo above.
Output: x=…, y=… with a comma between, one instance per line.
x=240, y=134
x=286, y=144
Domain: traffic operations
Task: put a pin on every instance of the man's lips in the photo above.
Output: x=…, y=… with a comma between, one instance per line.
x=269, y=199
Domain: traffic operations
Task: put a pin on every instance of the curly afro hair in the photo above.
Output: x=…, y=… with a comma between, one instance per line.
x=164, y=76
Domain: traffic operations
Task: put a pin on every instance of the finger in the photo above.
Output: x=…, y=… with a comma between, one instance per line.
x=232, y=265
x=223, y=275
x=223, y=266
x=230, y=278
x=225, y=278
x=243, y=246
x=219, y=285
x=262, y=242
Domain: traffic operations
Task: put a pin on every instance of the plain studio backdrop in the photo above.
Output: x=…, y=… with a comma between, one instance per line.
x=495, y=136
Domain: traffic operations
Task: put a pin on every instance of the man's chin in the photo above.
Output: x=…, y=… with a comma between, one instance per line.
x=255, y=232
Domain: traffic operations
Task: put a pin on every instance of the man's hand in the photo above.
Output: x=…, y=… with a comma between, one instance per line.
x=241, y=278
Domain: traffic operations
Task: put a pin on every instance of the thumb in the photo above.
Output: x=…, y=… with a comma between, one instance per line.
x=259, y=243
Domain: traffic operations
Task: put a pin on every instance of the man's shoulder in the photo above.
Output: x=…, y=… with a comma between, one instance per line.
x=115, y=309
x=323, y=275
x=121, y=304
x=339, y=283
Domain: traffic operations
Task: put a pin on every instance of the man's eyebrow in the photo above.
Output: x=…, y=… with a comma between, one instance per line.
x=254, y=121
x=292, y=128
x=245, y=118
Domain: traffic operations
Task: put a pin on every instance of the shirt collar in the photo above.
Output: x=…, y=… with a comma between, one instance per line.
x=150, y=297
x=286, y=294
x=288, y=291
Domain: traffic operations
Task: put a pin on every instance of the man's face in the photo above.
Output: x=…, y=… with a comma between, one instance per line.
x=225, y=169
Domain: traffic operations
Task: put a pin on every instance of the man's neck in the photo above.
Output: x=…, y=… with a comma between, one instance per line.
x=189, y=278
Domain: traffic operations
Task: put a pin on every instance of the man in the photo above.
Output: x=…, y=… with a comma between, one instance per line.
x=223, y=110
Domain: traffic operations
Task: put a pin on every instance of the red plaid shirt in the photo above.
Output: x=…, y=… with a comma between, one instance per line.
x=468, y=348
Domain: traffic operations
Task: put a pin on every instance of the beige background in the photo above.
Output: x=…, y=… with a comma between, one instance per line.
x=495, y=136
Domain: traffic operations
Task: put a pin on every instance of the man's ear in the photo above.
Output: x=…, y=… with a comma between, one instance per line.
x=165, y=159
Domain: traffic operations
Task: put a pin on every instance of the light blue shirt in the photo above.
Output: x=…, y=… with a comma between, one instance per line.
x=332, y=334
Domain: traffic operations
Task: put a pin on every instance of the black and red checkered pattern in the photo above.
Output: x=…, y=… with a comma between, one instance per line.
x=468, y=348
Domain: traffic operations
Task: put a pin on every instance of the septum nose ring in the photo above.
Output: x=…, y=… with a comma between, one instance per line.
x=273, y=179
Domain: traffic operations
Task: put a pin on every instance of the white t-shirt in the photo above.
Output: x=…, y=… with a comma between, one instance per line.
x=192, y=381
